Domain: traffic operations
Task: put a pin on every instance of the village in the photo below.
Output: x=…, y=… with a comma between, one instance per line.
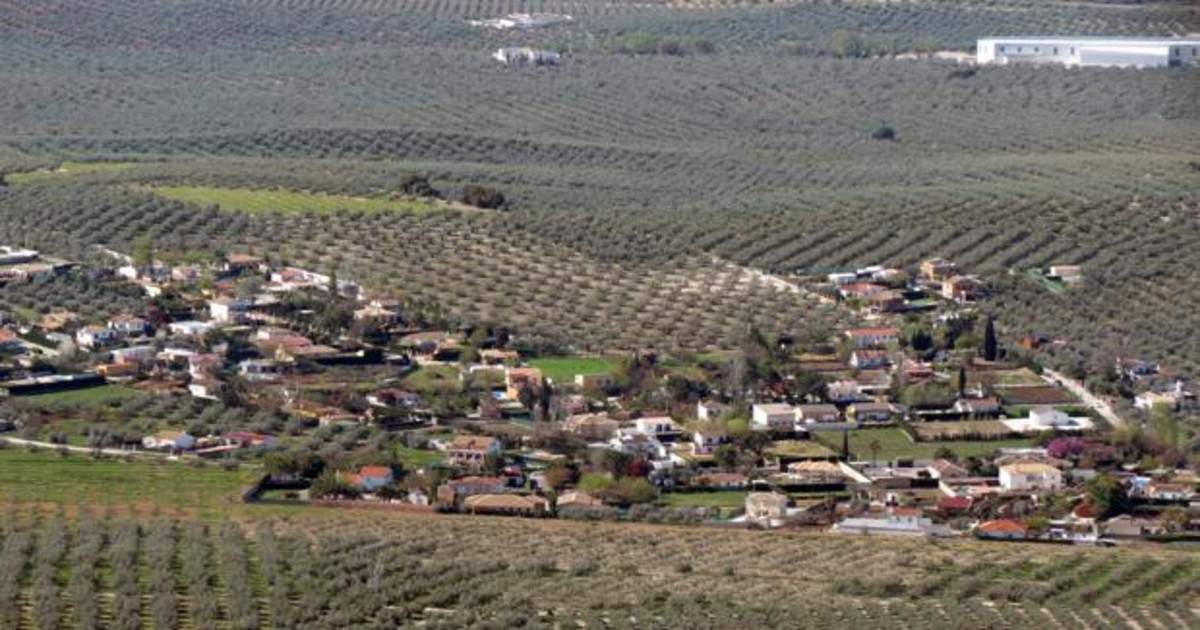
x=916, y=421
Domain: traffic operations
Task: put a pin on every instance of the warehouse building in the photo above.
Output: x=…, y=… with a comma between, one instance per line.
x=1119, y=52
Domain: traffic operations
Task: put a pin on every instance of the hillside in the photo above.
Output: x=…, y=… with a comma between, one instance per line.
x=671, y=134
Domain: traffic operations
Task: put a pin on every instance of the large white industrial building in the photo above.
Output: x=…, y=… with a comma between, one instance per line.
x=1121, y=52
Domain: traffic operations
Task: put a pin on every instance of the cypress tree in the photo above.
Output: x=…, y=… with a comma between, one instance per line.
x=989, y=340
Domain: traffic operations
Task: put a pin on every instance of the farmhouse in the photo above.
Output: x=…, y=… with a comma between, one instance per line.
x=963, y=289
x=592, y=427
x=506, y=504
x=872, y=337
x=95, y=336
x=1120, y=52
x=1068, y=274
x=469, y=451
x=937, y=269
x=774, y=416
x=517, y=379
x=1030, y=476
x=873, y=412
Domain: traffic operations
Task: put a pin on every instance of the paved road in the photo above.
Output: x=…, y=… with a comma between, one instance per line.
x=1100, y=405
x=116, y=452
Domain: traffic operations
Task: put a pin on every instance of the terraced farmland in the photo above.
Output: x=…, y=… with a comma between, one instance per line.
x=337, y=569
x=641, y=167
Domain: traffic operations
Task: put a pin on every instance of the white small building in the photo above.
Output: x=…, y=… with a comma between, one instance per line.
x=129, y=325
x=1119, y=52
x=773, y=416
x=189, y=328
x=709, y=410
x=228, y=310
x=258, y=369
x=526, y=56
x=91, y=337
x=169, y=440
x=1030, y=477
x=16, y=255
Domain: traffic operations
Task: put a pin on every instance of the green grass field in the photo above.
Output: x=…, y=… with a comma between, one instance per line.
x=718, y=498
x=414, y=458
x=564, y=369
x=1053, y=286
x=286, y=201
x=91, y=396
x=433, y=378
x=48, y=477
x=894, y=443
x=67, y=169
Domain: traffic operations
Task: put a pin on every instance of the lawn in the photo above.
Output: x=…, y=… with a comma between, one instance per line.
x=716, y=498
x=414, y=458
x=564, y=369
x=100, y=395
x=287, y=201
x=433, y=378
x=48, y=477
x=67, y=169
x=894, y=443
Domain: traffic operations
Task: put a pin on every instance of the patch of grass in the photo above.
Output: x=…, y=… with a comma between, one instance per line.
x=800, y=448
x=414, y=458
x=48, y=477
x=564, y=369
x=716, y=498
x=100, y=395
x=433, y=378
x=1053, y=286
x=894, y=443
x=67, y=169
x=1020, y=376
x=288, y=201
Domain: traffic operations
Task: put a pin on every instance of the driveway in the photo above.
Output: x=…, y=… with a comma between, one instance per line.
x=1099, y=405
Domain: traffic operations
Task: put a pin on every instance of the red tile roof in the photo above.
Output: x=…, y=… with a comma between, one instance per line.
x=374, y=471
x=1002, y=526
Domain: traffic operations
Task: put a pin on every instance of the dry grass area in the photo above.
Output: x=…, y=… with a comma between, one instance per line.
x=966, y=429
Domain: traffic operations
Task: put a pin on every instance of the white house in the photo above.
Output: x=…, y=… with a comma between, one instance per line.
x=1030, y=476
x=1120, y=52
x=658, y=426
x=169, y=440
x=227, y=310
x=129, y=325
x=705, y=441
x=773, y=416
x=95, y=336
x=708, y=410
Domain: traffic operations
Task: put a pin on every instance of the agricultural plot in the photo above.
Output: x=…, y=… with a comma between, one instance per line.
x=67, y=169
x=101, y=395
x=966, y=429
x=286, y=201
x=893, y=443
x=46, y=476
x=370, y=570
